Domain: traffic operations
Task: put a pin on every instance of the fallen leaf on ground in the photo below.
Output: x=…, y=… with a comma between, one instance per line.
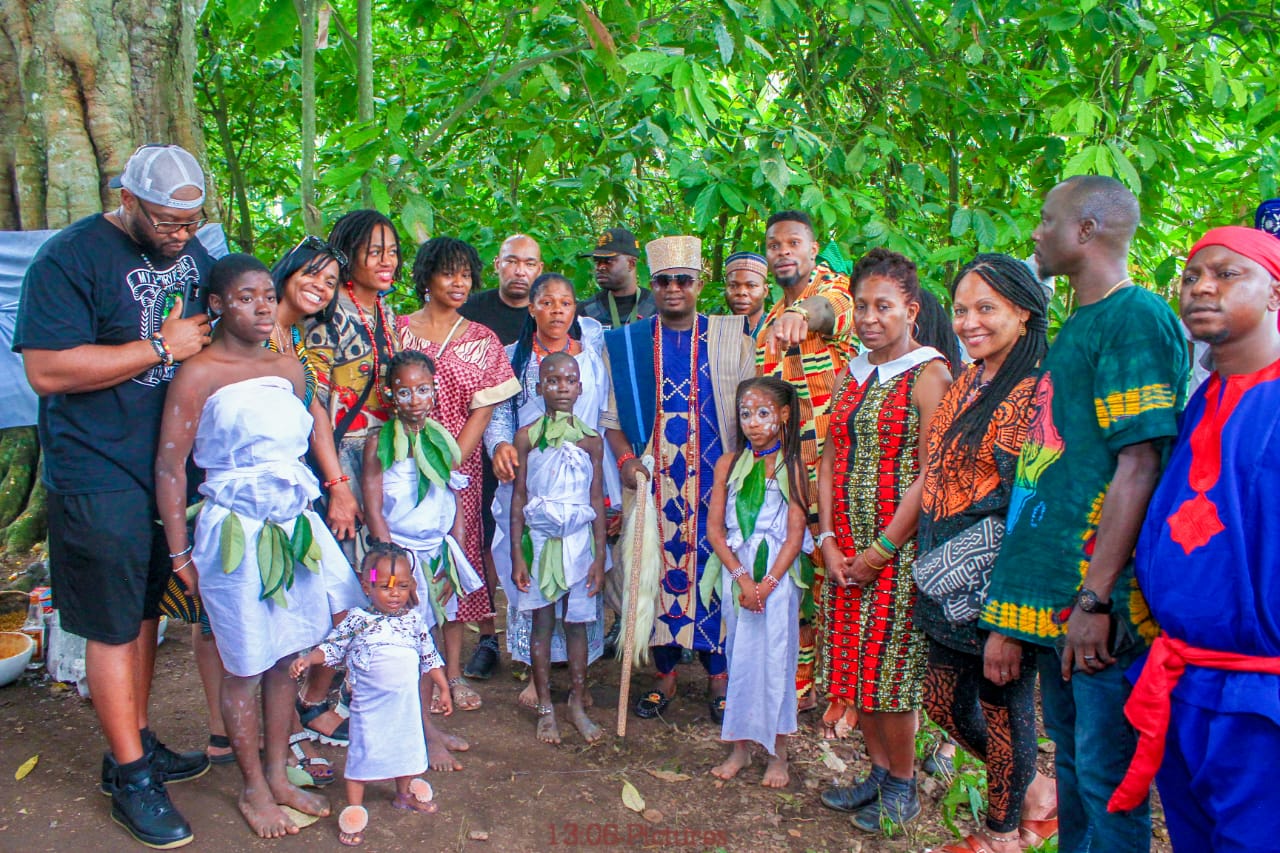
x=26, y=767
x=478, y=835
x=668, y=776
x=653, y=816
x=300, y=820
x=631, y=797
x=830, y=759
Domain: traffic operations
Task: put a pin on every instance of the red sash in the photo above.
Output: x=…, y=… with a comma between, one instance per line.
x=1148, y=707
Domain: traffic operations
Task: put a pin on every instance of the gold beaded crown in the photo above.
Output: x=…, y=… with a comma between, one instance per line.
x=670, y=252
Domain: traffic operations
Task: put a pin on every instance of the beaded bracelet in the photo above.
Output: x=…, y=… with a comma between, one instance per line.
x=770, y=579
x=624, y=459
x=737, y=573
x=184, y=552
x=161, y=347
x=329, y=484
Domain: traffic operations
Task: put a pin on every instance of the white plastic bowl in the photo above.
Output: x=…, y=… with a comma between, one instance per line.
x=13, y=666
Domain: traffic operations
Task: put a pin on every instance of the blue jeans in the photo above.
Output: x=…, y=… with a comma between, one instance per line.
x=1094, y=743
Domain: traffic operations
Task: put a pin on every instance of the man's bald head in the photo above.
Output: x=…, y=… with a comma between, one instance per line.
x=1085, y=217
x=518, y=263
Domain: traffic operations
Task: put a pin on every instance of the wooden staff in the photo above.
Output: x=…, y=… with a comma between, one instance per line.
x=629, y=618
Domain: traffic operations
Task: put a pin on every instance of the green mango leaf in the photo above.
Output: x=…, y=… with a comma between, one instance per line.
x=760, y=567
x=710, y=580
x=300, y=542
x=269, y=568
x=386, y=445
x=526, y=548
x=399, y=440
x=194, y=510
x=231, y=543
x=445, y=441
x=313, y=556
x=750, y=498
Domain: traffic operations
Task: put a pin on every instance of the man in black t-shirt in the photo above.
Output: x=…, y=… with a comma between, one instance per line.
x=504, y=310
x=100, y=328
x=620, y=300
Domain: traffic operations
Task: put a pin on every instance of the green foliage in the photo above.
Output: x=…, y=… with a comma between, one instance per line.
x=932, y=127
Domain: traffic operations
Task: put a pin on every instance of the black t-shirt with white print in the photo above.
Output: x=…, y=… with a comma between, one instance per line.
x=91, y=284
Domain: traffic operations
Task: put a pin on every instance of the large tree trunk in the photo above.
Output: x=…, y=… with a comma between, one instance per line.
x=82, y=84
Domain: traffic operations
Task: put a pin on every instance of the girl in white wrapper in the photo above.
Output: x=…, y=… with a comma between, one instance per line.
x=558, y=537
x=266, y=567
x=757, y=525
x=387, y=649
x=411, y=493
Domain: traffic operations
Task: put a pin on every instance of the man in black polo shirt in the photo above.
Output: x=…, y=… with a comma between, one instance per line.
x=504, y=310
x=100, y=327
x=620, y=300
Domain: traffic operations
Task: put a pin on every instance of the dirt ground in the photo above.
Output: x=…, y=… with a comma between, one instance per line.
x=514, y=794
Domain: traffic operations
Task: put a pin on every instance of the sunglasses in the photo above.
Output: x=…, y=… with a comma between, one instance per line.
x=320, y=247
x=683, y=280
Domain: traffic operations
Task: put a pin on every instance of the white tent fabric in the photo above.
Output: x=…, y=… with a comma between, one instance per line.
x=17, y=249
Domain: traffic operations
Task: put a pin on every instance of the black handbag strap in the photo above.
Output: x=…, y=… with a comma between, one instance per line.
x=379, y=341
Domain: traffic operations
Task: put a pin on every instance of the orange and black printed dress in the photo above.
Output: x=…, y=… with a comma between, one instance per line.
x=874, y=654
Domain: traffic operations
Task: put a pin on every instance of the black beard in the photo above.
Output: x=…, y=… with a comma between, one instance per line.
x=787, y=282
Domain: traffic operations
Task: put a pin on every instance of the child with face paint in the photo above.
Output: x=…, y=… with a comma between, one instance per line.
x=387, y=649
x=267, y=569
x=757, y=524
x=410, y=486
x=558, y=537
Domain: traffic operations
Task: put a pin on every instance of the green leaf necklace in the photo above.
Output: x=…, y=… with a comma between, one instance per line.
x=433, y=450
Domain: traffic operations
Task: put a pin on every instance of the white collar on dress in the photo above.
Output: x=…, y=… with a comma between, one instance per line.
x=861, y=367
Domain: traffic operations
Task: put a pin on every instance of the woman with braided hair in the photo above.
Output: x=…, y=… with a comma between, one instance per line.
x=978, y=429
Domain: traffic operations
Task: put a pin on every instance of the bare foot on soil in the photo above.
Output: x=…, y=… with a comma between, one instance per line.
x=264, y=817
x=288, y=794
x=730, y=767
x=590, y=731
x=439, y=758
x=548, y=731
x=775, y=773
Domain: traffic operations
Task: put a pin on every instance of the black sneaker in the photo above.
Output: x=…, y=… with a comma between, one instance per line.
x=166, y=765
x=173, y=766
x=897, y=805
x=851, y=798
x=141, y=805
x=611, y=639
x=484, y=660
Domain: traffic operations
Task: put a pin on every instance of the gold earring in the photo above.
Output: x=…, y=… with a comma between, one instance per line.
x=1022, y=329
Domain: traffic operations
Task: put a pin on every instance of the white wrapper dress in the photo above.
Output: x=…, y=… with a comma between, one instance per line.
x=558, y=483
x=385, y=657
x=250, y=441
x=423, y=528
x=762, y=647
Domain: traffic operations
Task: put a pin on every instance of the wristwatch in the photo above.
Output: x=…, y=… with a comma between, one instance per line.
x=822, y=537
x=797, y=308
x=1087, y=600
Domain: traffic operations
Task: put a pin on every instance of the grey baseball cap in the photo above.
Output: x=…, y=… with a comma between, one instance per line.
x=155, y=172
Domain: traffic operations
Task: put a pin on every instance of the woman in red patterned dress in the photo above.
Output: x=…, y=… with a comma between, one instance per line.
x=472, y=376
x=869, y=486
